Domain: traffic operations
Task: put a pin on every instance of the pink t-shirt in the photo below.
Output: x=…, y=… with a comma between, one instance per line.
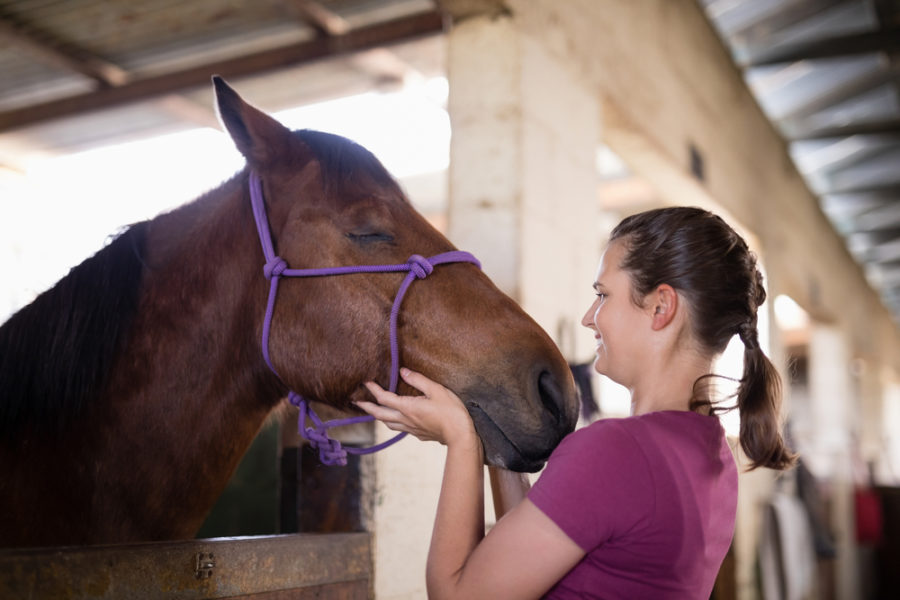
x=651, y=499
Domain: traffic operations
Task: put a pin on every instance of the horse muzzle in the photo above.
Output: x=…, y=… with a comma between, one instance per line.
x=518, y=435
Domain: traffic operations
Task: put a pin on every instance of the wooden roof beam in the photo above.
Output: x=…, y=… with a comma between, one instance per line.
x=363, y=38
x=381, y=64
x=325, y=21
x=45, y=48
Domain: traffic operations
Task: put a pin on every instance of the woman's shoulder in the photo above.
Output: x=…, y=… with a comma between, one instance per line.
x=621, y=436
x=605, y=439
x=638, y=425
x=610, y=429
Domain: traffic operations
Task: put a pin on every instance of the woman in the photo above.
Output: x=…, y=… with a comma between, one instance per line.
x=639, y=507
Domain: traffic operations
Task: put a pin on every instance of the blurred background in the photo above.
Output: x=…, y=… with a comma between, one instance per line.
x=524, y=129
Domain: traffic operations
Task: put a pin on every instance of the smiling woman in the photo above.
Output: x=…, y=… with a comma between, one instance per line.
x=637, y=507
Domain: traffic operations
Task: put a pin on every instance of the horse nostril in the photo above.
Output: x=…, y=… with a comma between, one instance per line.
x=550, y=395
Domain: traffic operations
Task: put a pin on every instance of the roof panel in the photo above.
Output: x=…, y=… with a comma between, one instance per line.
x=147, y=38
x=783, y=89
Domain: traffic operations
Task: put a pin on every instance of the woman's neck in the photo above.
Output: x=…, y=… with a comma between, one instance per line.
x=670, y=387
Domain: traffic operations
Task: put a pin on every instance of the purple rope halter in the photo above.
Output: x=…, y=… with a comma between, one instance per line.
x=331, y=452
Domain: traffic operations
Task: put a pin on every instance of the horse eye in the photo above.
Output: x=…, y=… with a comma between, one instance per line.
x=370, y=238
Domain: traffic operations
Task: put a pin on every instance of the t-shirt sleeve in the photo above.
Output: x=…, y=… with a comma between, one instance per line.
x=596, y=485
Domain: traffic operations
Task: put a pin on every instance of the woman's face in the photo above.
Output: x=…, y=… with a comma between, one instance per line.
x=619, y=325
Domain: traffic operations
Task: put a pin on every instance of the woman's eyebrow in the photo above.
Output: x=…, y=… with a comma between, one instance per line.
x=597, y=285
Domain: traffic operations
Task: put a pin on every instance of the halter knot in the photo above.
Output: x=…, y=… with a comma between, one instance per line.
x=275, y=267
x=420, y=266
x=330, y=450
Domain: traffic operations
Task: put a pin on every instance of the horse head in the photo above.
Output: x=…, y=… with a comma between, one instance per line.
x=330, y=203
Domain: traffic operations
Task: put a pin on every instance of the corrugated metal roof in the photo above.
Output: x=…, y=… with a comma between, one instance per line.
x=56, y=54
x=827, y=74
x=150, y=37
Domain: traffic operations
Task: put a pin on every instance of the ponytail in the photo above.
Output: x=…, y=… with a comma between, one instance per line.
x=758, y=402
x=702, y=257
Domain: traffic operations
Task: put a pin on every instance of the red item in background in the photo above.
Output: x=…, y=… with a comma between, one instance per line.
x=869, y=517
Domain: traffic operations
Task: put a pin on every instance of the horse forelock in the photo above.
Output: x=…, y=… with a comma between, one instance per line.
x=343, y=160
x=55, y=352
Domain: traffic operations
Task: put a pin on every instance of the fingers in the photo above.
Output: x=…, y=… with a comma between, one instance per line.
x=418, y=381
x=390, y=407
x=379, y=392
x=430, y=416
x=386, y=398
x=394, y=420
x=381, y=412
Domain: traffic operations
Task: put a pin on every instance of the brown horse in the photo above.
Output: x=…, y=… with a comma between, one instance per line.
x=131, y=389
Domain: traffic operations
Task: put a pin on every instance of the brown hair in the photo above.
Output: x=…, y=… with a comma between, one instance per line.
x=706, y=261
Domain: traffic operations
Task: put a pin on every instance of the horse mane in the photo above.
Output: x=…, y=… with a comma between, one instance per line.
x=55, y=353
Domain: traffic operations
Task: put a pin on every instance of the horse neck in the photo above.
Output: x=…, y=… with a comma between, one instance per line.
x=192, y=385
x=203, y=301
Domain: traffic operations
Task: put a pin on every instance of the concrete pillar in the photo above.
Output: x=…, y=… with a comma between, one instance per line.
x=406, y=493
x=832, y=402
x=522, y=187
x=522, y=171
x=889, y=465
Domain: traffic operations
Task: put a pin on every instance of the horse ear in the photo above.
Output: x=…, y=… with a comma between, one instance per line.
x=259, y=137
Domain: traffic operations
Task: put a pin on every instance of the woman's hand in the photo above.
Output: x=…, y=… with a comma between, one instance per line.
x=437, y=415
x=525, y=553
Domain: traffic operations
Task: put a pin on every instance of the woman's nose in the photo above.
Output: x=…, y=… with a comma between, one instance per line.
x=588, y=319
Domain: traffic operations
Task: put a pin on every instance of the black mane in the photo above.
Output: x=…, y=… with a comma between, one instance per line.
x=55, y=352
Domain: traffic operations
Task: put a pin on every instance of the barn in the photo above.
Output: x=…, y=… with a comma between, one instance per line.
x=523, y=130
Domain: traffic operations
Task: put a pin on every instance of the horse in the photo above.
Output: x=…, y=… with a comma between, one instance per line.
x=133, y=386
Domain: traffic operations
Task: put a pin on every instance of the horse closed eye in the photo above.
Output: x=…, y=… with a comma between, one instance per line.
x=369, y=238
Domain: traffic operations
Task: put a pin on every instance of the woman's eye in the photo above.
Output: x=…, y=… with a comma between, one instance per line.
x=369, y=238
x=601, y=296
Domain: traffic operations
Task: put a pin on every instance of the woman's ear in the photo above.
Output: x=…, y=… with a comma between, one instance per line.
x=663, y=301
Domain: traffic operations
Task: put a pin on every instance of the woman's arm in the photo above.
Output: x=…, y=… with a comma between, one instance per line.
x=524, y=554
x=440, y=416
x=459, y=522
